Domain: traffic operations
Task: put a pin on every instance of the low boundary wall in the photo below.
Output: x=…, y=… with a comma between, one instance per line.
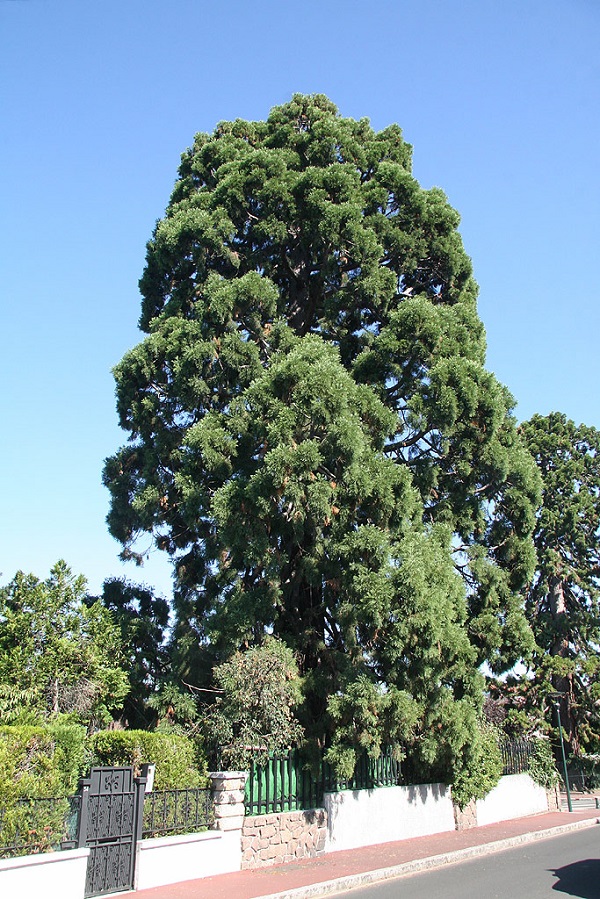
x=386, y=814
x=283, y=837
x=516, y=796
x=165, y=860
x=53, y=875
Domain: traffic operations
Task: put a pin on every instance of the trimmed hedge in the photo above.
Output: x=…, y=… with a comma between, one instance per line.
x=178, y=761
x=40, y=761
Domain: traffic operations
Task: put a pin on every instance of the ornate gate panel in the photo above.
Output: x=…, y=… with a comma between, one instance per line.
x=110, y=825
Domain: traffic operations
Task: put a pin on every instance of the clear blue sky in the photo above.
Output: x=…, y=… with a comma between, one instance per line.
x=500, y=99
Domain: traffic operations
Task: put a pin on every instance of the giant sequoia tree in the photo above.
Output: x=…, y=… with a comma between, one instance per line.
x=564, y=599
x=314, y=438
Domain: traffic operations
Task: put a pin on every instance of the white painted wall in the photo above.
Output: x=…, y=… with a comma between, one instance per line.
x=167, y=860
x=51, y=875
x=515, y=796
x=365, y=817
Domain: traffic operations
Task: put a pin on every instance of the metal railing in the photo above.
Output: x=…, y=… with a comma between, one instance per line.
x=285, y=783
x=31, y=826
x=177, y=811
x=516, y=756
x=383, y=771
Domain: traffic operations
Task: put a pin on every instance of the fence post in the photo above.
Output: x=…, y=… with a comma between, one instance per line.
x=84, y=789
x=140, y=795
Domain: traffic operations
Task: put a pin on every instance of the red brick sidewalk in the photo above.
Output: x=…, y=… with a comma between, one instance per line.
x=350, y=867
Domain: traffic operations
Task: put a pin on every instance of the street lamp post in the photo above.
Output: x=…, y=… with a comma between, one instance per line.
x=564, y=758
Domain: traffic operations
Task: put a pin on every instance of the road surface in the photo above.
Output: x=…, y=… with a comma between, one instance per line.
x=567, y=865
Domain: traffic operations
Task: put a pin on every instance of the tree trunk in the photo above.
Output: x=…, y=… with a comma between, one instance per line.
x=54, y=696
x=563, y=684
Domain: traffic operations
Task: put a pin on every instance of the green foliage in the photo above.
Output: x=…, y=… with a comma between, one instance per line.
x=563, y=604
x=27, y=763
x=179, y=762
x=542, y=766
x=35, y=825
x=590, y=767
x=70, y=751
x=38, y=763
x=480, y=767
x=253, y=713
x=18, y=704
x=142, y=618
x=314, y=439
x=57, y=655
x=356, y=717
x=176, y=709
x=41, y=761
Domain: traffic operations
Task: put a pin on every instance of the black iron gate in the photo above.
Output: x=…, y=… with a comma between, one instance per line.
x=109, y=826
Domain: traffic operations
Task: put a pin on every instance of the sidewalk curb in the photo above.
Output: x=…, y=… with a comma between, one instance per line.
x=352, y=881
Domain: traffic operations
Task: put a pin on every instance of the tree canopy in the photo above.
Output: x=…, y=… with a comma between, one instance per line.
x=563, y=604
x=313, y=436
x=253, y=714
x=143, y=620
x=57, y=654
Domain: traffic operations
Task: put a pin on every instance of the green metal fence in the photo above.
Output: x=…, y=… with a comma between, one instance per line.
x=516, y=755
x=285, y=783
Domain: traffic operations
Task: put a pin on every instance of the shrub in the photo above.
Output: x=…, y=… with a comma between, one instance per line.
x=253, y=714
x=481, y=767
x=37, y=763
x=542, y=767
x=40, y=761
x=179, y=762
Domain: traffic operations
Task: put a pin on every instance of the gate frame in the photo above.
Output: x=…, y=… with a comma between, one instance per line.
x=83, y=840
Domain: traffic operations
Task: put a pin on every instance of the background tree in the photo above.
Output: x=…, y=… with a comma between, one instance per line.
x=563, y=602
x=177, y=708
x=56, y=653
x=253, y=714
x=301, y=245
x=143, y=619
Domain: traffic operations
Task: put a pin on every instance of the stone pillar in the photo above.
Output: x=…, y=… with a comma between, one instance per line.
x=228, y=799
x=465, y=818
x=553, y=797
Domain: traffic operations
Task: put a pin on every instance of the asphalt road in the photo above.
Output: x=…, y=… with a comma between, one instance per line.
x=567, y=865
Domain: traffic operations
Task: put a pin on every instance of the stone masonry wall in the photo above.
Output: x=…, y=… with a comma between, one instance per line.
x=553, y=799
x=282, y=837
x=465, y=818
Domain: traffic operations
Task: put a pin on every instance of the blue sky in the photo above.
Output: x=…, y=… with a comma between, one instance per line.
x=500, y=99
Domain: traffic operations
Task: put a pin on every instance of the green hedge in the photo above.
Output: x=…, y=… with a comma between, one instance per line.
x=38, y=763
x=178, y=761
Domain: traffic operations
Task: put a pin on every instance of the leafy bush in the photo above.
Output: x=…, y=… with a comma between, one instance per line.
x=40, y=761
x=481, y=767
x=37, y=763
x=590, y=766
x=542, y=767
x=253, y=714
x=179, y=762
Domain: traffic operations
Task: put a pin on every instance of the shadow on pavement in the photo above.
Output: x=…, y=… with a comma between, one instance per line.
x=580, y=879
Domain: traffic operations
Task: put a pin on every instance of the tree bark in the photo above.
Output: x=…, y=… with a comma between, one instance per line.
x=563, y=684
